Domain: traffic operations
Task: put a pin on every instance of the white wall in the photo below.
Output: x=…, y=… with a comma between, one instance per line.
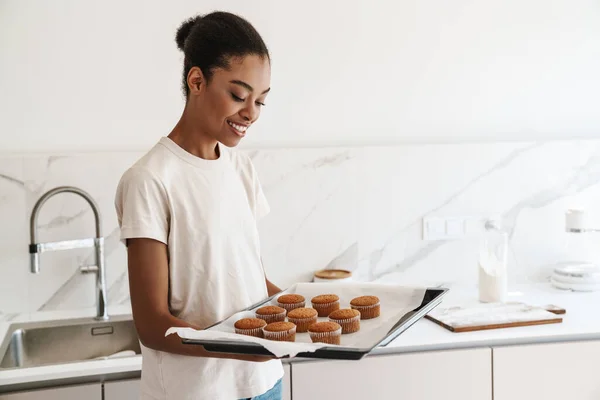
x=85, y=75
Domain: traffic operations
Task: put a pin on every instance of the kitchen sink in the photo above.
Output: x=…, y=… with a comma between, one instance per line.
x=34, y=344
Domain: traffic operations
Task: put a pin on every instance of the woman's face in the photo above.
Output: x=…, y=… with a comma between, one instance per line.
x=231, y=102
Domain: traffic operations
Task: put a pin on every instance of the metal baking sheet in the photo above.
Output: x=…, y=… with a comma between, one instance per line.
x=431, y=298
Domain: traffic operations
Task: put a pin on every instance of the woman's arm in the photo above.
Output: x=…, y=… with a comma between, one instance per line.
x=271, y=287
x=149, y=288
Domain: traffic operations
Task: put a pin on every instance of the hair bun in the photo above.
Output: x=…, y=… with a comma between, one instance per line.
x=184, y=31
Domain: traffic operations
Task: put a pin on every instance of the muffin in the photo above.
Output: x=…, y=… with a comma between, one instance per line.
x=250, y=327
x=368, y=306
x=325, y=304
x=347, y=318
x=271, y=314
x=325, y=332
x=303, y=318
x=280, y=331
x=291, y=301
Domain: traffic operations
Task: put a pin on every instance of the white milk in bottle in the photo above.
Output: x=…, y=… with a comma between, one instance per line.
x=493, y=254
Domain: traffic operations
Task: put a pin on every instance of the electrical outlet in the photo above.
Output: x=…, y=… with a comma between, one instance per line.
x=454, y=227
x=434, y=228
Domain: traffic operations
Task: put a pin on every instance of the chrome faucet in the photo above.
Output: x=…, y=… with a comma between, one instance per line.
x=97, y=242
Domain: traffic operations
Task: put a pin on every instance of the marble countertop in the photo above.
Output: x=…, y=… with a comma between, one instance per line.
x=581, y=322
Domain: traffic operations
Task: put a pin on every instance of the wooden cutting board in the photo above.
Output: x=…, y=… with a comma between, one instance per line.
x=480, y=317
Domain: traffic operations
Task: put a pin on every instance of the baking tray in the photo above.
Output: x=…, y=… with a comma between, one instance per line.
x=432, y=298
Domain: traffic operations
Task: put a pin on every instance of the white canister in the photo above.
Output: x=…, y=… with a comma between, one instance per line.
x=576, y=220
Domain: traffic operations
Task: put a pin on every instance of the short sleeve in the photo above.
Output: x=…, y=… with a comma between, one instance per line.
x=142, y=206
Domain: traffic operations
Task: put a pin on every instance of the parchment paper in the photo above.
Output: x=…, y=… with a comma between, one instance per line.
x=395, y=302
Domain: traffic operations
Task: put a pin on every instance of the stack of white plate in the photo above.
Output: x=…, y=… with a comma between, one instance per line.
x=581, y=277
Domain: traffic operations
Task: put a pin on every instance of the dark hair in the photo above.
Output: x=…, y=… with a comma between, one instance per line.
x=209, y=41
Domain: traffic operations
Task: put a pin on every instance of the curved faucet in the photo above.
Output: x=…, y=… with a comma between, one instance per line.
x=97, y=242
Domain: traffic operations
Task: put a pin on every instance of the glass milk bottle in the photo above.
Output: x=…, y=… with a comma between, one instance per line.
x=493, y=254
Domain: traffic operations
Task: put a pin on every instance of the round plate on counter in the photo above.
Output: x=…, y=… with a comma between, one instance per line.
x=332, y=275
x=584, y=271
x=574, y=279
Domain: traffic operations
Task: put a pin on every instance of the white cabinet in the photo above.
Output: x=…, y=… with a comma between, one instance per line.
x=87, y=392
x=547, y=371
x=287, y=383
x=122, y=390
x=450, y=375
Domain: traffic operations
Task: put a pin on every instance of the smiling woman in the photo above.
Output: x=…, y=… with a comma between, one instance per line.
x=188, y=212
x=226, y=78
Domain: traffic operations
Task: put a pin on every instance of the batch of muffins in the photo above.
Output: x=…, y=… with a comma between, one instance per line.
x=270, y=321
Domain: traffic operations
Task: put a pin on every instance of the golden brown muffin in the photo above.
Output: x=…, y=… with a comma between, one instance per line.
x=325, y=298
x=291, y=301
x=290, y=298
x=325, y=332
x=368, y=306
x=322, y=327
x=269, y=310
x=303, y=313
x=271, y=314
x=250, y=327
x=325, y=304
x=365, y=301
x=280, y=331
x=279, y=326
x=348, y=318
x=303, y=318
x=250, y=323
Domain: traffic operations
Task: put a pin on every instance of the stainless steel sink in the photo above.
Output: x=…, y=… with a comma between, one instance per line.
x=56, y=342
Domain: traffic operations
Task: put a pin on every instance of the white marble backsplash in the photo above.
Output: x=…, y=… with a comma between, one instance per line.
x=353, y=208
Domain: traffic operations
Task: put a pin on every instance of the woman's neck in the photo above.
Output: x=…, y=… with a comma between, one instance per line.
x=193, y=140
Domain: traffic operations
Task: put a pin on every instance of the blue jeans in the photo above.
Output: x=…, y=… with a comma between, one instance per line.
x=272, y=394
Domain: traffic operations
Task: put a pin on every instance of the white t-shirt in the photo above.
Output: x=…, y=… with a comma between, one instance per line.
x=206, y=212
